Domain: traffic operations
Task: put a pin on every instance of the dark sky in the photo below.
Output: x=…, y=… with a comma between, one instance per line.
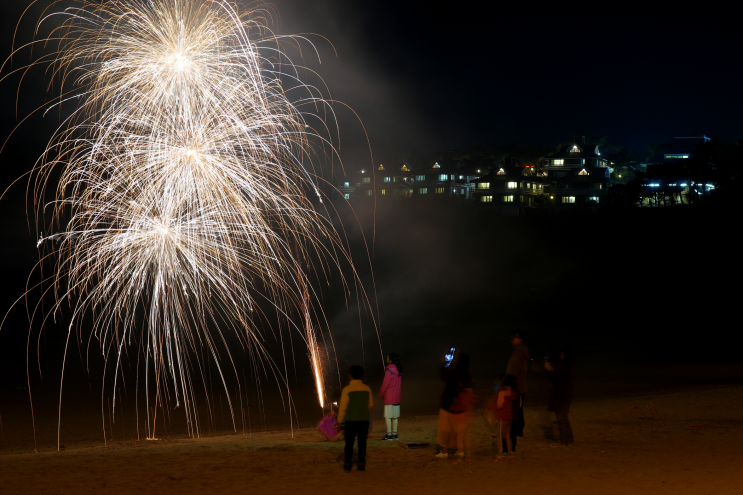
x=426, y=76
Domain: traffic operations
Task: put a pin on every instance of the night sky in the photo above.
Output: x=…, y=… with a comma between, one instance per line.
x=427, y=76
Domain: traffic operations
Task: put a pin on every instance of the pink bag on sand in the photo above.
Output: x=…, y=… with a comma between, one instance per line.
x=328, y=427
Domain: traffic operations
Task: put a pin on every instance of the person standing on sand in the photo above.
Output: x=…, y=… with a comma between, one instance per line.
x=517, y=366
x=390, y=394
x=562, y=376
x=356, y=402
x=506, y=405
x=461, y=420
x=457, y=377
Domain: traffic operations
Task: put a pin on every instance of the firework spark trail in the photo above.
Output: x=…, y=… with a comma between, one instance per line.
x=183, y=190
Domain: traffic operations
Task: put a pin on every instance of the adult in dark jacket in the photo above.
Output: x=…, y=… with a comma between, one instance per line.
x=517, y=366
x=456, y=377
x=562, y=376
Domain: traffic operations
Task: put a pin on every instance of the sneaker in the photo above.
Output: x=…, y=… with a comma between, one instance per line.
x=346, y=467
x=361, y=466
x=395, y=437
x=389, y=436
x=442, y=455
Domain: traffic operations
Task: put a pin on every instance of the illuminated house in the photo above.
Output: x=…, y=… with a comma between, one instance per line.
x=680, y=149
x=396, y=182
x=509, y=189
x=446, y=178
x=668, y=181
x=580, y=174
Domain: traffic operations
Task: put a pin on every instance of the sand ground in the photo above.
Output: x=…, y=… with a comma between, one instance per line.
x=700, y=451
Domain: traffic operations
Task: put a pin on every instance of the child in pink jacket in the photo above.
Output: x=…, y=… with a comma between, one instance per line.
x=390, y=394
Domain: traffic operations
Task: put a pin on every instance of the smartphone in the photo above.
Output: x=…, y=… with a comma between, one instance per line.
x=449, y=357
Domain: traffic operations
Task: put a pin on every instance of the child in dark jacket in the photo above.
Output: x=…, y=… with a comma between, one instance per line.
x=390, y=394
x=356, y=402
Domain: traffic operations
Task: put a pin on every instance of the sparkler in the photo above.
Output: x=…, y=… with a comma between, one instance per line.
x=183, y=195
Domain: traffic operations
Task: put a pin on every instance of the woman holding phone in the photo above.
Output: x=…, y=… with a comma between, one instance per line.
x=456, y=375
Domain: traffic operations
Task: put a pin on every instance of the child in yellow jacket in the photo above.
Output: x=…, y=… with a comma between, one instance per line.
x=356, y=402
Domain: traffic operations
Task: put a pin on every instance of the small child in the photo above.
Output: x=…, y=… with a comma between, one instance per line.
x=390, y=394
x=356, y=402
x=506, y=403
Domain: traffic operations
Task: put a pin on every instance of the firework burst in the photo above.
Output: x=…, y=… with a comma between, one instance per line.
x=187, y=183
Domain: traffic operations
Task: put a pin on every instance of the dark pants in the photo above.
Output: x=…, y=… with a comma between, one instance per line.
x=354, y=429
x=519, y=423
x=566, y=432
x=517, y=427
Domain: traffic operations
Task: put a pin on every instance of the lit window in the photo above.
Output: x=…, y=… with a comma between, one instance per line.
x=500, y=172
x=575, y=149
x=436, y=165
x=381, y=167
x=388, y=179
x=420, y=177
x=443, y=176
x=366, y=180
x=405, y=168
x=598, y=185
x=461, y=177
x=384, y=192
x=423, y=190
x=439, y=190
x=583, y=172
x=568, y=199
x=369, y=192
x=347, y=196
x=345, y=184
x=508, y=199
x=558, y=163
x=486, y=199
x=483, y=185
x=513, y=185
x=593, y=198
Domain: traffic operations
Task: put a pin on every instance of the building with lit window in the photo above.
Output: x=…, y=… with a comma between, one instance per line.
x=392, y=182
x=508, y=189
x=581, y=176
x=446, y=178
x=395, y=182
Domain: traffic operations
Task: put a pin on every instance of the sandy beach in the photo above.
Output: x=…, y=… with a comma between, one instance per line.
x=695, y=446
